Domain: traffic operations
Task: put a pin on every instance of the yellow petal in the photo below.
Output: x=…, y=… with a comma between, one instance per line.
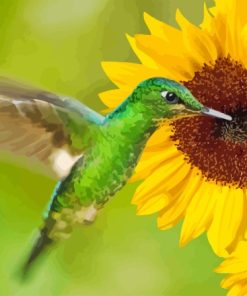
x=127, y=75
x=159, y=179
x=243, y=291
x=227, y=218
x=150, y=151
x=215, y=28
x=166, y=57
x=144, y=58
x=230, y=17
x=237, y=261
x=241, y=251
x=160, y=138
x=207, y=19
x=233, y=279
x=199, y=212
x=243, y=47
x=231, y=265
x=155, y=155
x=239, y=290
x=178, y=178
x=170, y=216
x=197, y=41
x=151, y=161
x=234, y=11
x=235, y=291
x=112, y=98
x=162, y=30
x=158, y=48
x=213, y=10
x=152, y=205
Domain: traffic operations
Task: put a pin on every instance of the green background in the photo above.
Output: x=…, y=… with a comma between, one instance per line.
x=58, y=45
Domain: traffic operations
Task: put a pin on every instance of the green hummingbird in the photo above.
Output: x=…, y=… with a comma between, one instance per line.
x=93, y=155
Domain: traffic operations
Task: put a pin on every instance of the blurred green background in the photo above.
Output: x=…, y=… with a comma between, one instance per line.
x=58, y=45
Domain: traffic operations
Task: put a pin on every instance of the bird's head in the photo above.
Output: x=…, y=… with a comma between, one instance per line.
x=169, y=99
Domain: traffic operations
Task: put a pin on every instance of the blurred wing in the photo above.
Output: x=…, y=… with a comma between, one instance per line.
x=44, y=127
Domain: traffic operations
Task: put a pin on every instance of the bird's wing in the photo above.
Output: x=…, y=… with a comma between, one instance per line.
x=44, y=127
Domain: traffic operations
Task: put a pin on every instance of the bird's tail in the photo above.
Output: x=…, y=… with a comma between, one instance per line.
x=57, y=227
x=42, y=243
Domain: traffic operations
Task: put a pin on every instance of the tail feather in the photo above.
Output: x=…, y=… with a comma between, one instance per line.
x=42, y=243
x=57, y=227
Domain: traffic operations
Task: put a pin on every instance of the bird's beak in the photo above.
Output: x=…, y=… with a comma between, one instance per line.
x=214, y=113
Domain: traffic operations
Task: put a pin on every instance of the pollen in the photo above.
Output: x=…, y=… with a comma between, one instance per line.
x=215, y=146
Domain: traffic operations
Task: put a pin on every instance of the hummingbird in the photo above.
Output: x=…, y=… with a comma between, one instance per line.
x=92, y=155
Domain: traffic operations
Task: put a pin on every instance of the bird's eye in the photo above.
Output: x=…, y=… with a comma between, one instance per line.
x=170, y=97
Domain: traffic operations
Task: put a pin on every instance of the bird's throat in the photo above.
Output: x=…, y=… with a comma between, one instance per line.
x=128, y=128
x=131, y=119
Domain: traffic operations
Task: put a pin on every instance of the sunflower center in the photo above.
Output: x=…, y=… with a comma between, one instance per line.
x=217, y=147
x=235, y=130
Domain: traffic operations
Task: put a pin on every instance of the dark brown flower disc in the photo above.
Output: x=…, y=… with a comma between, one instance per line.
x=217, y=147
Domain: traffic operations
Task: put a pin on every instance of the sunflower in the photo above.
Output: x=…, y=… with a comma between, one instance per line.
x=236, y=266
x=193, y=169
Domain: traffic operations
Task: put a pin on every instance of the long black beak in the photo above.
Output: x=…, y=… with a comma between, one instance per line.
x=214, y=113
